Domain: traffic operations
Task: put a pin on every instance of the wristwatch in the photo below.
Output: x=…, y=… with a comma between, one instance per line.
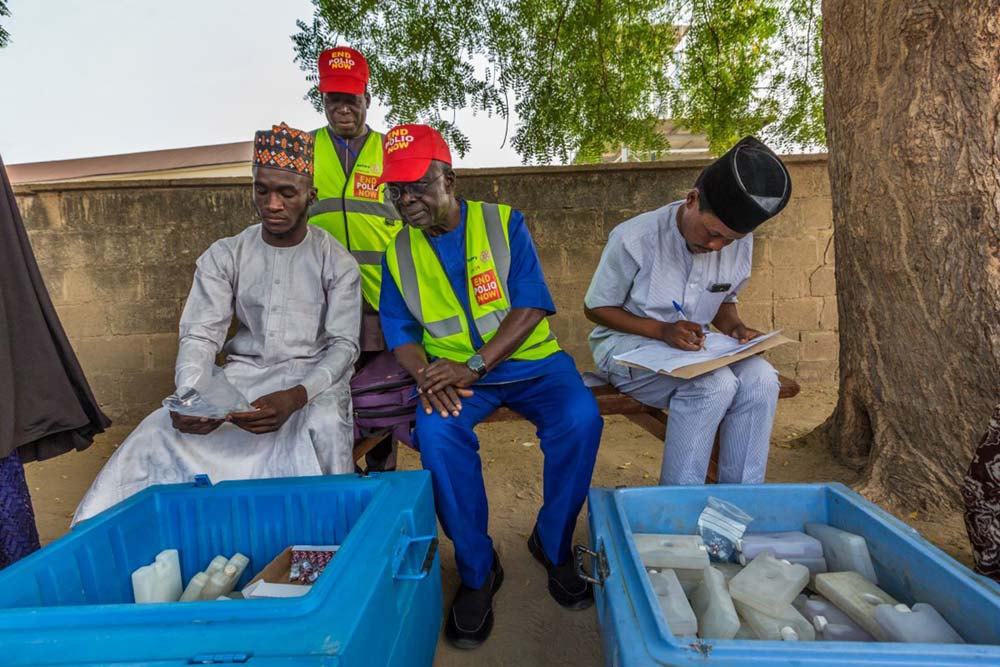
x=477, y=365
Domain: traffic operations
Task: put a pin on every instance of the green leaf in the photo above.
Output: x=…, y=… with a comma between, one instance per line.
x=586, y=77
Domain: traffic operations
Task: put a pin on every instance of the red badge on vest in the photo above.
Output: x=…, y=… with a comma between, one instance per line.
x=486, y=287
x=366, y=187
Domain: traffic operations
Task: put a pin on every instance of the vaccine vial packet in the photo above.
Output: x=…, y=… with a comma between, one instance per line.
x=212, y=397
x=721, y=525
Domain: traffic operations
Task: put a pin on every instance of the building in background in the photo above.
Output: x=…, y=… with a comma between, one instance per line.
x=222, y=160
x=176, y=163
x=682, y=144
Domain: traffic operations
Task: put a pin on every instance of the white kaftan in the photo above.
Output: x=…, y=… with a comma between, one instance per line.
x=298, y=310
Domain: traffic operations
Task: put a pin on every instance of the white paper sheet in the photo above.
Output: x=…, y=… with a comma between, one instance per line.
x=659, y=357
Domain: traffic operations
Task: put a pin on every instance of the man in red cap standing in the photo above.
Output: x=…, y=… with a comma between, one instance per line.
x=350, y=203
x=463, y=307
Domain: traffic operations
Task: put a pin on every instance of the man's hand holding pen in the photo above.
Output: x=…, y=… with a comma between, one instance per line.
x=683, y=335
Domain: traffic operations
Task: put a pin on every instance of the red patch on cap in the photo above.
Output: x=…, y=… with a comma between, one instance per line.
x=408, y=151
x=342, y=70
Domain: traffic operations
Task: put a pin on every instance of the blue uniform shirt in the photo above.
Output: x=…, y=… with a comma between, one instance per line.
x=527, y=290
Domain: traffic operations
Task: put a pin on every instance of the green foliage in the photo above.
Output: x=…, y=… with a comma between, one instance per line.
x=4, y=35
x=751, y=67
x=802, y=122
x=586, y=75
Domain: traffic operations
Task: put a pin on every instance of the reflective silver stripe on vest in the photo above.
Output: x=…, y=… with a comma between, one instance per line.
x=411, y=290
x=548, y=338
x=408, y=276
x=367, y=256
x=485, y=324
x=333, y=205
x=443, y=328
x=324, y=206
x=490, y=321
x=498, y=244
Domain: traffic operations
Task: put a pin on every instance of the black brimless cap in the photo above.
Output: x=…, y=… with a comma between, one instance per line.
x=747, y=185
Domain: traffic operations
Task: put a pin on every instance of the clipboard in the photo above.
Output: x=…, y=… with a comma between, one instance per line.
x=700, y=368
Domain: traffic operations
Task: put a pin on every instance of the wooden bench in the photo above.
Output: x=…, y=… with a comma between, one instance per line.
x=610, y=401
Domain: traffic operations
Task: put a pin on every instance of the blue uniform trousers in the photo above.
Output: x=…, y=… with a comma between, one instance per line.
x=569, y=429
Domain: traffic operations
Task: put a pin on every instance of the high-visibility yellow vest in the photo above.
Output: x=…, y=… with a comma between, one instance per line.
x=432, y=301
x=353, y=208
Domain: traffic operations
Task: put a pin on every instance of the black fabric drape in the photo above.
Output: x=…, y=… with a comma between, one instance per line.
x=46, y=406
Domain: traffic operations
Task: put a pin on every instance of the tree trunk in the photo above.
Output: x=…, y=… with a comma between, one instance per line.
x=913, y=128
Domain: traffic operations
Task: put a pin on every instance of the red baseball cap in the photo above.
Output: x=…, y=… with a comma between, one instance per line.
x=408, y=151
x=342, y=70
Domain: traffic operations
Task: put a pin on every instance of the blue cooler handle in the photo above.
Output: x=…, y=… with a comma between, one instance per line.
x=598, y=561
x=400, y=552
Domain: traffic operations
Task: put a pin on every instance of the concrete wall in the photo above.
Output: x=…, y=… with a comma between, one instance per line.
x=118, y=260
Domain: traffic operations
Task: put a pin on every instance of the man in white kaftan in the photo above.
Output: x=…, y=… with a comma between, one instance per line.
x=298, y=308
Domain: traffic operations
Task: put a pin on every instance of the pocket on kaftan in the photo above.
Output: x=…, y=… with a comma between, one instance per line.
x=303, y=321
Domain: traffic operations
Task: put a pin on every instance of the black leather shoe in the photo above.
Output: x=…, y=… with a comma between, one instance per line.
x=470, y=619
x=565, y=586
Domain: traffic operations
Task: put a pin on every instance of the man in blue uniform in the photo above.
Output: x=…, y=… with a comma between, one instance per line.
x=464, y=307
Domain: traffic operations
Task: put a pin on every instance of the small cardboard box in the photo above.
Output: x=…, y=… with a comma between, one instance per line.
x=275, y=579
x=272, y=581
x=278, y=570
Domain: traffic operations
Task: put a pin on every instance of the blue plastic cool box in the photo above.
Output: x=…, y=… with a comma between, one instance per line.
x=634, y=632
x=377, y=603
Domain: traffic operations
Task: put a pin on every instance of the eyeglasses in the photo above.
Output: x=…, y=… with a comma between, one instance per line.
x=394, y=191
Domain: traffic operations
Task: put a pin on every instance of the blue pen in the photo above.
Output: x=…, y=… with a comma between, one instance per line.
x=683, y=316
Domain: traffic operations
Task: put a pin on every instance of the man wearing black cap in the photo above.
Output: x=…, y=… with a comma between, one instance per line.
x=667, y=275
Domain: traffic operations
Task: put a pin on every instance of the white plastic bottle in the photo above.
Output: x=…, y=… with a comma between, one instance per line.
x=839, y=632
x=787, y=625
x=674, y=552
x=855, y=596
x=216, y=565
x=788, y=545
x=830, y=623
x=843, y=551
x=240, y=562
x=676, y=609
x=222, y=580
x=768, y=585
x=921, y=624
x=219, y=583
x=793, y=546
x=714, y=608
x=160, y=581
x=195, y=587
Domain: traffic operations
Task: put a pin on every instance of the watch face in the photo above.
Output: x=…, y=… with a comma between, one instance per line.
x=477, y=365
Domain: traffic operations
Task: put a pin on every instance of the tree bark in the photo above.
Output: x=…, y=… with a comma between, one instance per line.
x=913, y=128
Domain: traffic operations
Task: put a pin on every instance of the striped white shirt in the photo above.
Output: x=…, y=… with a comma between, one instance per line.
x=646, y=266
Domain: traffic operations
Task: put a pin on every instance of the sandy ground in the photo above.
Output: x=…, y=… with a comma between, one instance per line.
x=531, y=629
